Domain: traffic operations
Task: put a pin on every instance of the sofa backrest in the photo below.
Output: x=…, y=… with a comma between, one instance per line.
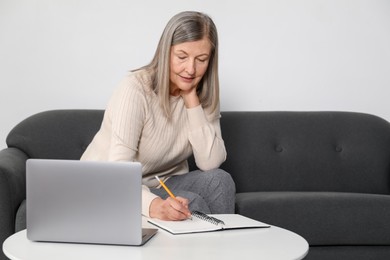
x=56, y=134
x=307, y=151
x=267, y=151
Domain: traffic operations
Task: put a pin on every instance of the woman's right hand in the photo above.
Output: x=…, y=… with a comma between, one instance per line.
x=169, y=209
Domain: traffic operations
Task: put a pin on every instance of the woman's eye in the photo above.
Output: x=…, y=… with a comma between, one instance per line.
x=202, y=61
x=181, y=57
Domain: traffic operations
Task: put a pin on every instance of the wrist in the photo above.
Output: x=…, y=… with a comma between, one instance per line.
x=153, y=208
x=190, y=98
x=191, y=101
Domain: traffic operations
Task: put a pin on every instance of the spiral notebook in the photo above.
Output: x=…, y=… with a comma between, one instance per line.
x=201, y=222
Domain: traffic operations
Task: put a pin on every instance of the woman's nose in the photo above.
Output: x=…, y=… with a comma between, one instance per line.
x=190, y=67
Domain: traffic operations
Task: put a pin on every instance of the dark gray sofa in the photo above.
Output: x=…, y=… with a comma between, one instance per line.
x=323, y=175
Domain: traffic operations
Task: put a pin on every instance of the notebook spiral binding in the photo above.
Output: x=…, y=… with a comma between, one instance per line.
x=207, y=218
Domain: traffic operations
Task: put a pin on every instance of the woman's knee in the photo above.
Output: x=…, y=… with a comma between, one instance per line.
x=223, y=180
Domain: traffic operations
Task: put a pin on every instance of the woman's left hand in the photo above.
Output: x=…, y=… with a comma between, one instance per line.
x=190, y=97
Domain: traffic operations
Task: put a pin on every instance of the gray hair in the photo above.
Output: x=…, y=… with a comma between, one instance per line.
x=186, y=27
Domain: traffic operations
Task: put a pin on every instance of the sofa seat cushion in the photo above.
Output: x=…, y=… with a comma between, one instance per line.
x=323, y=218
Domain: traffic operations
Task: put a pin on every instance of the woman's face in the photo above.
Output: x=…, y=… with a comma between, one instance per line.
x=188, y=64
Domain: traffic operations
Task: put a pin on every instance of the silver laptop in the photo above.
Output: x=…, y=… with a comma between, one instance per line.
x=85, y=202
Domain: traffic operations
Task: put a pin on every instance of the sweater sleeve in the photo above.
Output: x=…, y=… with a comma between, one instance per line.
x=147, y=198
x=206, y=139
x=128, y=109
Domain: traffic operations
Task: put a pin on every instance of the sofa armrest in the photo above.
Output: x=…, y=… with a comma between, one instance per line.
x=12, y=188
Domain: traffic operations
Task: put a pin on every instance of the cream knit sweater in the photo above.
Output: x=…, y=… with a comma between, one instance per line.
x=134, y=128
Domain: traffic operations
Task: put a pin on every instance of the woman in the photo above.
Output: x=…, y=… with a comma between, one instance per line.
x=166, y=111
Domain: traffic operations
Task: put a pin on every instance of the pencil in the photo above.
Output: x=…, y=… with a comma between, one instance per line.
x=167, y=190
x=165, y=187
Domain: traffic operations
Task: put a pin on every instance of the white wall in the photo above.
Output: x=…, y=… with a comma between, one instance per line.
x=274, y=54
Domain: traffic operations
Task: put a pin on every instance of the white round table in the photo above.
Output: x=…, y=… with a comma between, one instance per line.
x=264, y=243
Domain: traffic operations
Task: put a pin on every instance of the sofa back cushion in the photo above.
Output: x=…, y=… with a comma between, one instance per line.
x=307, y=151
x=56, y=134
x=267, y=151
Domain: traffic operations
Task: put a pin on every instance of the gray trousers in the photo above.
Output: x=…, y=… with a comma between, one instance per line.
x=211, y=192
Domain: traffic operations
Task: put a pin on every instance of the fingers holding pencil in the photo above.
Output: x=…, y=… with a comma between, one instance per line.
x=184, y=202
x=180, y=205
x=169, y=209
x=174, y=208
